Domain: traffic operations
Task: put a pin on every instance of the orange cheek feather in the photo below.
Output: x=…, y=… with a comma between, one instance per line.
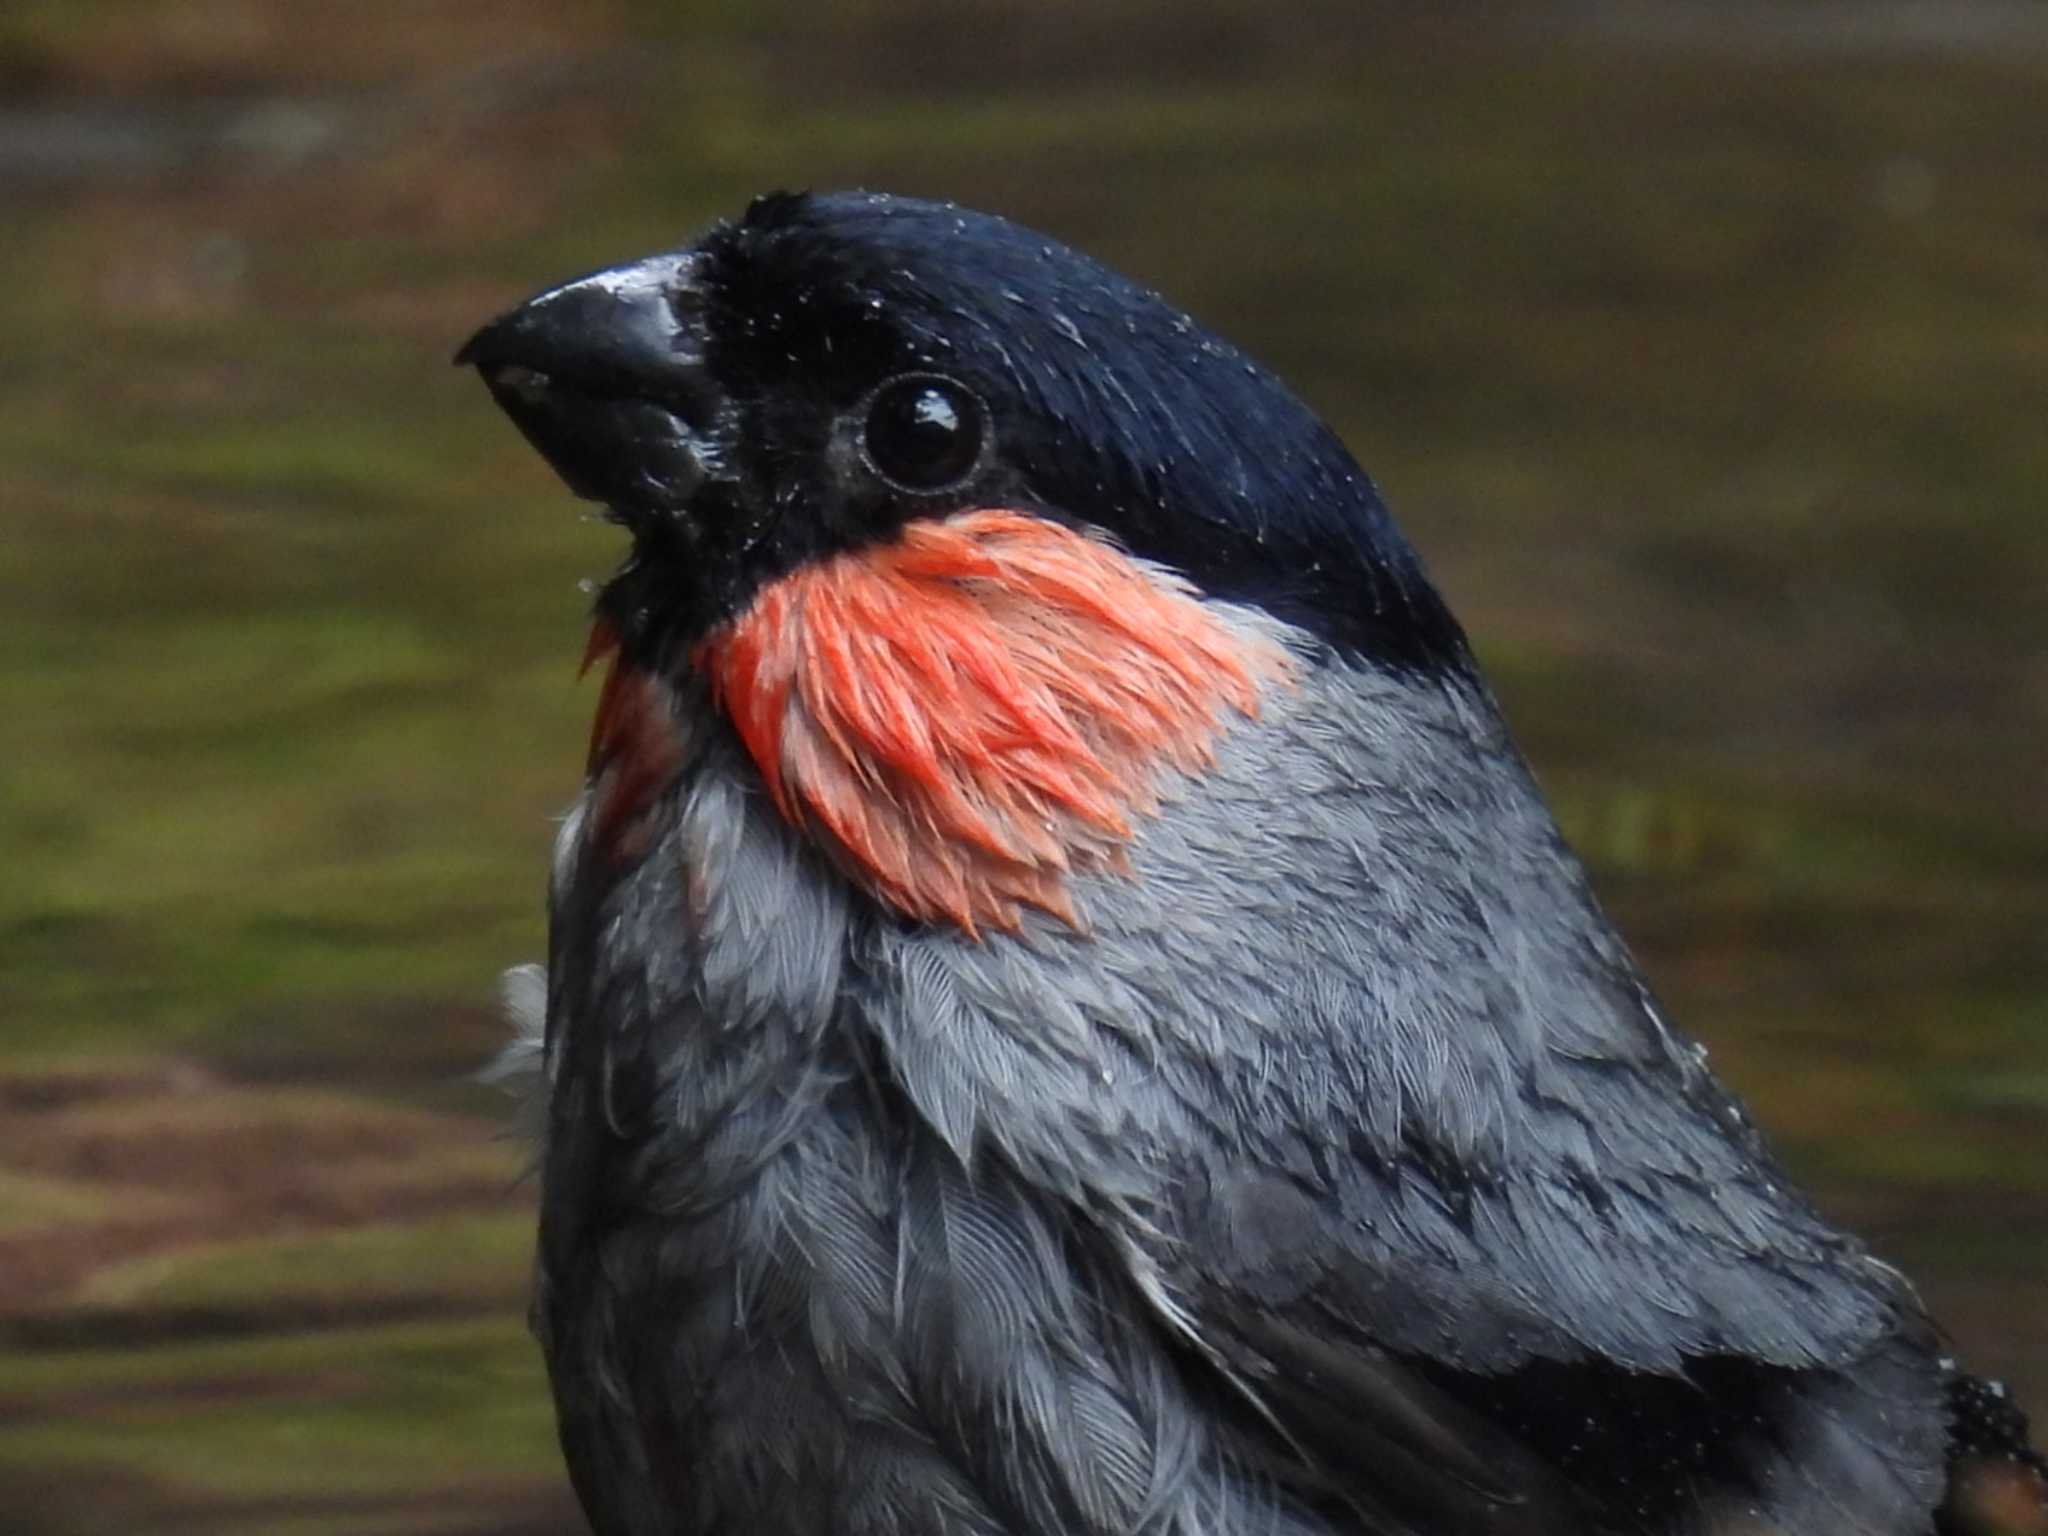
x=970, y=714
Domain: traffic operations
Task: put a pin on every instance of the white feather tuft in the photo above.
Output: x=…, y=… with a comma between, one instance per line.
x=521, y=1068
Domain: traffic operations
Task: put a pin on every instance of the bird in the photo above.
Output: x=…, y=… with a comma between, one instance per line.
x=1067, y=1012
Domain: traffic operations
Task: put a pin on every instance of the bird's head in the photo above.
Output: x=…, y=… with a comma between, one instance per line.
x=972, y=538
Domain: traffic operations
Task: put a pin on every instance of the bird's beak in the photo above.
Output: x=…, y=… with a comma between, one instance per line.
x=606, y=377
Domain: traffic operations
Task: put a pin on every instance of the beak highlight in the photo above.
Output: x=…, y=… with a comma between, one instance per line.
x=606, y=377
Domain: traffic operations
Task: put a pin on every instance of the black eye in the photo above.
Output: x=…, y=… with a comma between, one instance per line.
x=924, y=432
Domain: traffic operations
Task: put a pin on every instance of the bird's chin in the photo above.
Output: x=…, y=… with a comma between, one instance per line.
x=635, y=456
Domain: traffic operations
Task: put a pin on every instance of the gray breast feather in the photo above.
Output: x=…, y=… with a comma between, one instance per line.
x=1358, y=1027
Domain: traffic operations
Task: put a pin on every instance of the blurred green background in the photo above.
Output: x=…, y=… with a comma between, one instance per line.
x=1703, y=350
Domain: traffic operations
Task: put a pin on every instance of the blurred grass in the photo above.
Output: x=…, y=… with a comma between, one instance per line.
x=321, y=1429
x=1707, y=378
x=463, y=1259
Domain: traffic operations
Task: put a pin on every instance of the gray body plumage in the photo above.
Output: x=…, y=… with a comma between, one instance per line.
x=1346, y=1097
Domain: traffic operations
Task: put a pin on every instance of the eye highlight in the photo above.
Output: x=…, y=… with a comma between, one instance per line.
x=924, y=433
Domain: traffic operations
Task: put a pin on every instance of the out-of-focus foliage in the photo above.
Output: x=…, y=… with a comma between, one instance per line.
x=1704, y=358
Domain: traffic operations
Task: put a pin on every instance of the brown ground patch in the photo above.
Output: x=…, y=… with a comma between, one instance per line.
x=173, y=1154
x=62, y=1506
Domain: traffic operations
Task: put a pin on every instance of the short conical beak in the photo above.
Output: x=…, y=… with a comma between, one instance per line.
x=606, y=378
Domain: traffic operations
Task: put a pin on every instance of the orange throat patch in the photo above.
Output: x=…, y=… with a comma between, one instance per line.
x=967, y=716
x=636, y=750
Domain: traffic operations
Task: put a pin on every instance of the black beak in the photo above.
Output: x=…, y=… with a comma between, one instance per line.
x=606, y=378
